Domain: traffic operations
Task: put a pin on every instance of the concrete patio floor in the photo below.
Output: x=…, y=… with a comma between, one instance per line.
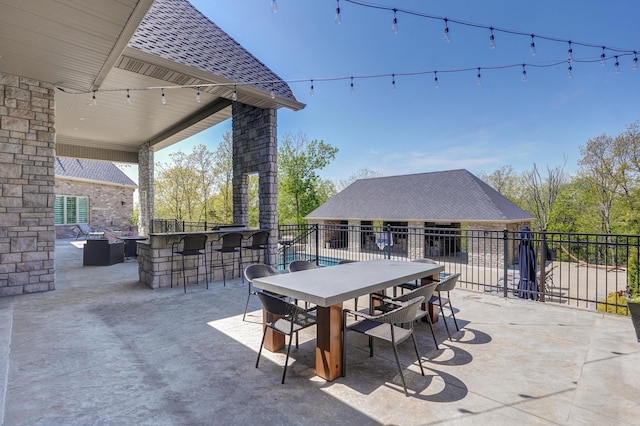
x=104, y=349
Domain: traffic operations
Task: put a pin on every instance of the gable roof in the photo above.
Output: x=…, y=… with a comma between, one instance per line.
x=175, y=30
x=446, y=196
x=91, y=170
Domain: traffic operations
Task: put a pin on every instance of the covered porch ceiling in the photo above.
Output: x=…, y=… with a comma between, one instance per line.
x=85, y=46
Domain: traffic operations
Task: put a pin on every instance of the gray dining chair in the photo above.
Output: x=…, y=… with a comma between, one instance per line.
x=385, y=327
x=414, y=284
x=286, y=318
x=252, y=272
x=442, y=295
x=425, y=291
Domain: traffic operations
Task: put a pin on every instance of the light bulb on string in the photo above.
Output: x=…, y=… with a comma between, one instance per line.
x=616, y=68
x=635, y=61
x=479, y=81
x=163, y=99
x=570, y=52
x=274, y=6
x=272, y=93
x=198, y=95
x=94, y=102
x=338, y=18
x=570, y=71
x=353, y=90
x=446, y=30
x=602, y=57
x=435, y=79
x=393, y=82
x=394, y=27
x=532, y=46
x=524, y=74
x=492, y=39
x=128, y=97
x=234, y=95
x=311, y=93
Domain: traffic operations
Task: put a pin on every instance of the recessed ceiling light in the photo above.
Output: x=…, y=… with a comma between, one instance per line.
x=81, y=118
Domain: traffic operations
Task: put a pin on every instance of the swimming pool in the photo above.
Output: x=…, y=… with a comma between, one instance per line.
x=322, y=260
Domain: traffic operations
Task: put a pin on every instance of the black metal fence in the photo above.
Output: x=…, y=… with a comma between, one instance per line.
x=579, y=270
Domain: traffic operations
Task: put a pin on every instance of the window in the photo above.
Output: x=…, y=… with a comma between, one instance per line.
x=71, y=210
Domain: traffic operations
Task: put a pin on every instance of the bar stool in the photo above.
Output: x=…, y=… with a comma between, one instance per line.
x=231, y=243
x=258, y=242
x=190, y=245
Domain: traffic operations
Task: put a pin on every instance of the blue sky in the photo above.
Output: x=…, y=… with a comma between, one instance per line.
x=420, y=128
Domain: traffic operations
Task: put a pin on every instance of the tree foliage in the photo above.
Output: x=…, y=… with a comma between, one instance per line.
x=357, y=175
x=300, y=189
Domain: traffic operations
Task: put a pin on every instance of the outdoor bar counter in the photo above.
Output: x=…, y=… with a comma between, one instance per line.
x=154, y=255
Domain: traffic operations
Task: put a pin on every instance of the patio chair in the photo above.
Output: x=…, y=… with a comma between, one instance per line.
x=342, y=262
x=231, y=243
x=416, y=283
x=384, y=327
x=286, y=318
x=425, y=291
x=252, y=272
x=445, y=286
x=258, y=243
x=85, y=231
x=301, y=265
x=189, y=246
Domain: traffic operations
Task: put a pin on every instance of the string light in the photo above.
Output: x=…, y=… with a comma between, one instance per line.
x=393, y=82
x=602, y=57
x=164, y=99
x=446, y=30
x=533, y=46
x=492, y=40
x=617, y=66
x=311, y=90
x=198, y=95
x=234, y=95
x=435, y=79
x=394, y=27
x=353, y=90
x=272, y=94
x=479, y=81
x=94, y=102
x=570, y=70
x=570, y=52
x=274, y=6
x=338, y=18
x=635, y=61
x=524, y=73
x=128, y=97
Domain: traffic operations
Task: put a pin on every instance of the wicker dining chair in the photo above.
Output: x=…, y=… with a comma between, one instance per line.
x=442, y=295
x=286, y=318
x=252, y=272
x=384, y=327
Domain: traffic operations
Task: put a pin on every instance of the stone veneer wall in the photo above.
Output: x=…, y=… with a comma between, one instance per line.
x=255, y=150
x=27, y=178
x=145, y=187
x=106, y=210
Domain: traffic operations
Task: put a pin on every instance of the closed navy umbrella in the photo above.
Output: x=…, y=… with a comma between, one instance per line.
x=527, y=287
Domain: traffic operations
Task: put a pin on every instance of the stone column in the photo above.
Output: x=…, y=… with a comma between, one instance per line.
x=27, y=179
x=145, y=188
x=415, y=242
x=255, y=150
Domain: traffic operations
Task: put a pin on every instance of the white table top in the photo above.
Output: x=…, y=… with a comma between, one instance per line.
x=335, y=284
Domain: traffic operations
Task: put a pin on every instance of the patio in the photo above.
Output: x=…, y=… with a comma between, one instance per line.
x=104, y=349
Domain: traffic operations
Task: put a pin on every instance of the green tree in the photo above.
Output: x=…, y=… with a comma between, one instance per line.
x=541, y=193
x=221, y=209
x=359, y=174
x=299, y=186
x=506, y=182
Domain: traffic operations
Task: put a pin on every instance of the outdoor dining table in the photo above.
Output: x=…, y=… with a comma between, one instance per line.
x=328, y=287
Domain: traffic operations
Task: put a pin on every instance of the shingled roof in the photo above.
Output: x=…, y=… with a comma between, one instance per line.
x=447, y=196
x=175, y=30
x=91, y=170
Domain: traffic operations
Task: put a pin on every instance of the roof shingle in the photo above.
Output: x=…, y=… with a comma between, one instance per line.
x=98, y=171
x=446, y=196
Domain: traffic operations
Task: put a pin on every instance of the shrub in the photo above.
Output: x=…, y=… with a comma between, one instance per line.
x=616, y=303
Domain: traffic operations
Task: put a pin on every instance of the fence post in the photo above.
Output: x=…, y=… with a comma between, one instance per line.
x=542, y=255
x=317, y=242
x=505, y=251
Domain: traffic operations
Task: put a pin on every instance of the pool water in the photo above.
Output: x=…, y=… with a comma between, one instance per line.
x=322, y=260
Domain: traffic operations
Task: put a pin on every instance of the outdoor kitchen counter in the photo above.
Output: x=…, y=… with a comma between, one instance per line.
x=154, y=254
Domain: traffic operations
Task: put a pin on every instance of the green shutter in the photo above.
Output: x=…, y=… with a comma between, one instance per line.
x=72, y=210
x=59, y=211
x=83, y=210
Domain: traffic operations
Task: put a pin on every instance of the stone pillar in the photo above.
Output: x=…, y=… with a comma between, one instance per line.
x=27, y=179
x=355, y=233
x=145, y=188
x=255, y=150
x=415, y=243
